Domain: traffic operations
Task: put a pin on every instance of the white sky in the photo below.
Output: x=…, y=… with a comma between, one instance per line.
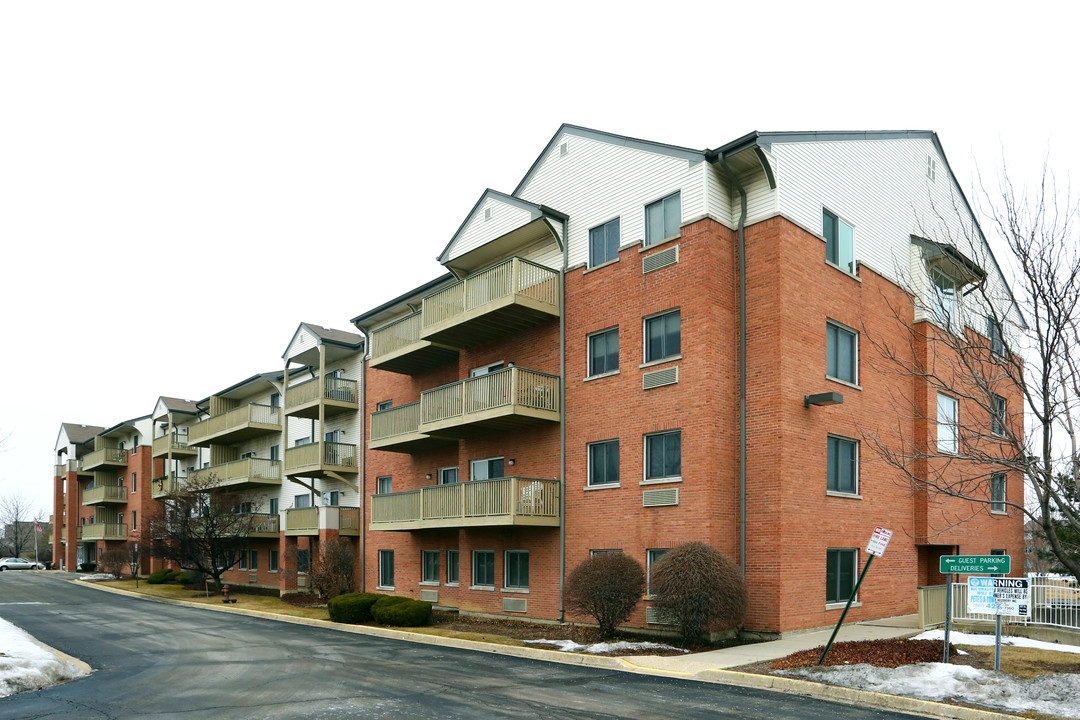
x=173, y=176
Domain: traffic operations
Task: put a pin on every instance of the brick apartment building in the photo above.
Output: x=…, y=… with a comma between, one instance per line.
x=587, y=375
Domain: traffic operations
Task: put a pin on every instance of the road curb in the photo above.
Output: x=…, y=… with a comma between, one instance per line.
x=790, y=686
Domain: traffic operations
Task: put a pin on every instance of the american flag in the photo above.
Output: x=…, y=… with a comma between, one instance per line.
x=37, y=526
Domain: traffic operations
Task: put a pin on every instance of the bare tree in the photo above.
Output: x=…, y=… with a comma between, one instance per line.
x=203, y=527
x=332, y=569
x=999, y=355
x=17, y=517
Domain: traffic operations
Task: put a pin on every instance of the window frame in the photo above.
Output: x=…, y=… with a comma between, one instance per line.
x=272, y=561
x=476, y=567
x=841, y=598
x=953, y=447
x=830, y=437
x=646, y=478
x=384, y=405
x=472, y=464
x=995, y=334
x=998, y=499
x=605, y=227
x=947, y=317
x=835, y=242
x=645, y=349
x=649, y=240
x=652, y=555
x=384, y=480
x=510, y=559
x=832, y=326
x=999, y=409
x=426, y=567
x=453, y=579
x=591, y=481
x=441, y=473
x=591, y=370
x=386, y=560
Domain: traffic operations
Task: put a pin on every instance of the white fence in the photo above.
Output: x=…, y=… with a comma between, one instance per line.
x=1055, y=601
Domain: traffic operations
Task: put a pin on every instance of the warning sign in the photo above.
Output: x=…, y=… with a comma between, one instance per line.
x=999, y=596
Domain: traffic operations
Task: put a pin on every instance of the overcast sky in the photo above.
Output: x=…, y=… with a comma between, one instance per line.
x=181, y=184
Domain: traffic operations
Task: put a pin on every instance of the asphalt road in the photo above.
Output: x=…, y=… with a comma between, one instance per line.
x=153, y=660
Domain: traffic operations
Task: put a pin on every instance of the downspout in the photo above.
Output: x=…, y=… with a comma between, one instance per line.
x=562, y=425
x=363, y=462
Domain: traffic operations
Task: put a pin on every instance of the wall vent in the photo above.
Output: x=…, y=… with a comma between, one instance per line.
x=301, y=581
x=657, y=616
x=487, y=213
x=515, y=605
x=659, y=498
x=253, y=578
x=564, y=150
x=431, y=596
x=667, y=256
x=659, y=378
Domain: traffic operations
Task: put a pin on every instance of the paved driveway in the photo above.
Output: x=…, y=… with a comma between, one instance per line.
x=154, y=660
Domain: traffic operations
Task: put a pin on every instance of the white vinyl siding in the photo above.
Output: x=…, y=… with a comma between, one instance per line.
x=504, y=218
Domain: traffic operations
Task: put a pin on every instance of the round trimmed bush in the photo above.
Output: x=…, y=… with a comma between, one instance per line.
x=401, y=612
x=191, y=577
x=159, y=576
x=352, y=607
x=702, y=588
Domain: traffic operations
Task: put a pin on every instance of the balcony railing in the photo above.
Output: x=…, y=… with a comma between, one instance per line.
x=305, y=459
x=399, y=347
x=502, y=501
x=302, y=521
x=165, y=485
x=97, y=494
x=104, y=456
x=305, y=521
x=103, y=531
x=246, y=472
x=504, y=397
x=237, y=424
x=178, y=444
x=336, y=395
x=263, y=525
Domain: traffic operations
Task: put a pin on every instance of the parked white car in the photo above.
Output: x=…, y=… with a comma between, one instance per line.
x=11, y=563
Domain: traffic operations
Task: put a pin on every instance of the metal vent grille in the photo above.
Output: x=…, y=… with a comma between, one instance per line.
x=659, y=378
x=253, y=578
x=656, y=616
x=515, y=605
x=658, y=498
x=431, y=596
x=668, y=256
x=301, y=581
x=564, y=150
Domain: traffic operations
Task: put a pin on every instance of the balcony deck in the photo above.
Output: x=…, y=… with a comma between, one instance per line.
x=104, y=494
x=178, y=444
x=512, y=501
x=103, y=531
x=263, y=525
x=398, y=348
x=336, y=458
x=248, y=473
x=398, y=430
x=506, y=399
x=236, y=425
x=105, y=457
x=165, y=485
x=305, y=521
x=337, y=395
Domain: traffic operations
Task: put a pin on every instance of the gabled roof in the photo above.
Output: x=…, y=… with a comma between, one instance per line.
x=535, y=212
x=414, y=295
x=125, y=425
x=326, y=336
x=272, y=376
x=178, y=405
x=79, y=434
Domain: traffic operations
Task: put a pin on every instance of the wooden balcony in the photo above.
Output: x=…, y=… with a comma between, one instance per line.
x=242, y=423
x=164, y=485
x=104, y=494
x=398, y=347
x=398, y=430
x=178, y=444
x=105, y=457
x=263, y=525
x=502, y=400
x=336, y=458
x=248, y=473
x=335, y=395
x=302, y=521
x=500, y=502
x=502, y=299
x=103, y=531
x=305, y=521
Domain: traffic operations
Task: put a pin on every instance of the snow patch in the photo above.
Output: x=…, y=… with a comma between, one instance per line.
x=602, y=647
x=98, y=576
x=25, y=665
x=959, y=638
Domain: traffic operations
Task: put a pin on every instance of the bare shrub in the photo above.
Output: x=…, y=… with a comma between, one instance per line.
x=606, y=587
x=115, y=561
x=701, y=587
x=332, y=569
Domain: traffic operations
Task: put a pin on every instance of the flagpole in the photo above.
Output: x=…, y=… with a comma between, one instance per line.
x=37, y=531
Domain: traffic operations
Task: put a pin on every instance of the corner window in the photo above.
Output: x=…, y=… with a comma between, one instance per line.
x=840, y=574
x=841, y=353
x=997, y=493
x=517, y=569
x=997, y=415
x=663, y=336
x=429, y=566
x=948, y=424
x=604, y=352
x=604, y=462
x=604, y=243
x=839, y=241
x=452, y=562
x=843, y=461
x=651, y=557
x=663, y=455
x=384, y=485
x=663, y=219
x=486, y=469
x=386, y=568
x=483, y=570
x=995, y=336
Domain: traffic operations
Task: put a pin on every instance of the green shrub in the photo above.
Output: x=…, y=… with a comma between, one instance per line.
x=352, y=607
x=87, y=567
x=158, y=577
x=401, y=612
x=173, y=575
x=191, y=577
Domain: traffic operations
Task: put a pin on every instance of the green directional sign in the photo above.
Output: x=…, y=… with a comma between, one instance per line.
x=976, y=564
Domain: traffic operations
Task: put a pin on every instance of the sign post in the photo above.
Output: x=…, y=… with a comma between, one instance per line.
x=999, y=596
x=950, y=565
x=875, y=548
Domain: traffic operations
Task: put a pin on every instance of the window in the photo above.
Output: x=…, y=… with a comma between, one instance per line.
x=448, y=475
x=333, y=497
x=273, y=506
x=651, y=556
x=662, y=219
x=841, y=353
x=662, y=333
x=995, y=336
x=452, y=557
x=517, y=569
x=302, y=501
x=134, y=522
x=997, y=416
x=997, y=493
x=663, y=455
x=839, y=241
x=134, y=483
x=840, y=574
x=604, y=462
x=272, y=565
x=386, y=568
x=486, y=369
x=483, y=568
x=601, y=552
x=243, y=563
x=843, y=465
x=333, y=436
x=120, y=519
x=944, y=298
x=604, y=352
x=303, y=560
x=948, y=426
x=302, y=441
x=384, y=485
x=486, y=469
x=275, y=399
x=253, y=560
x=275, y=452
x=604, y=243
x=384, y=405
x=429, y=566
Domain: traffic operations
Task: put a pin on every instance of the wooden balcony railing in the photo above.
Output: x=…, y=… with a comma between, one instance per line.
x=337, y=457
x=245, y=421
x=302, y=521
x=178, y=444
x=401, y=420
x=264, y=525
x=395, y=336
x=103, y=531
x=510, y=389
x=165, y=485
x=333, y=393
x=104, y=456
x=96, y=494
x=305, y=521
x=501, y=501
x=249, y=471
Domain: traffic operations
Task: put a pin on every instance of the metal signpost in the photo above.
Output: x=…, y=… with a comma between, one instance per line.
x=875, y=548
x=999, y=596
x=950, y=565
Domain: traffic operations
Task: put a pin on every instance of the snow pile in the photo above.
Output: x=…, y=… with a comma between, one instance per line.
x=25, y=665
x=958, y=638
x=602, y=647
x=1050, y=694
x=98, y=576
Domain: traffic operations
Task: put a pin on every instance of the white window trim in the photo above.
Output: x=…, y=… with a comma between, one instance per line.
x=507, y=587
x=645, y=244
x=645, y=338
x=438, y=555
x=645, y=479
x=955, y=424
x=457, y=582
x=380, y=586
x=855, y=575
x=588, y=242
x=472, y=571
x=1005, y=500
x=488, y=368
x=858, y=474
x=854, y=332
x=484, y=459
x=854, y=243
x=439, y=474
x=588, y=463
